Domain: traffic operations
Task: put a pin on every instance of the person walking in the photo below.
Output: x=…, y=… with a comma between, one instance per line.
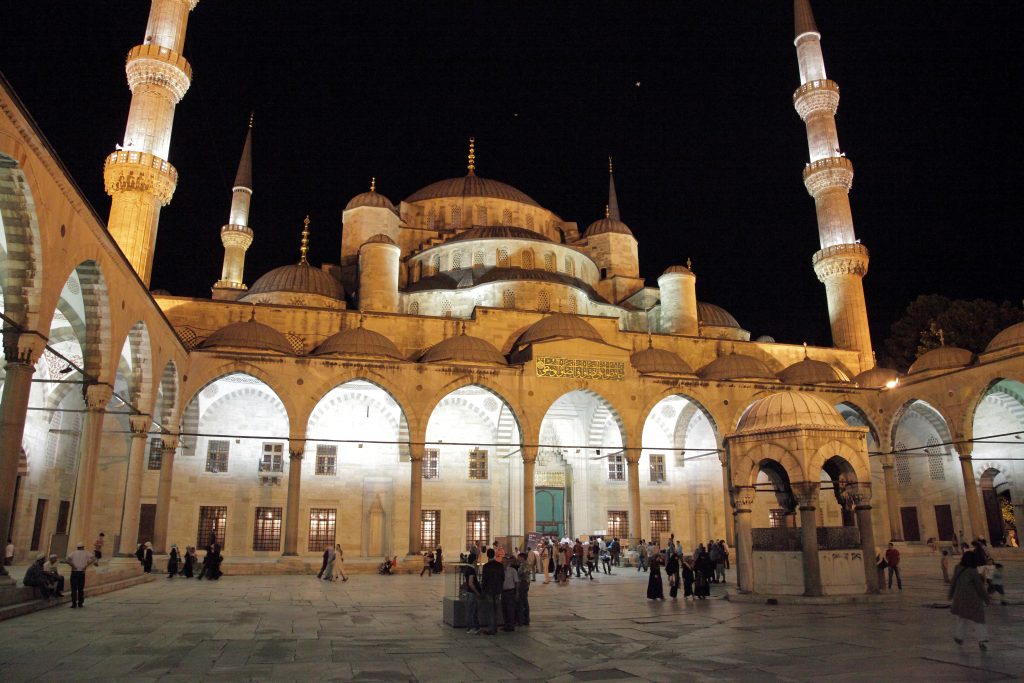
x=428, y=564
x=79, y=561
x=323, y=564
x=332, y=555
x=190, y=562
x=97, y=547
x=969, y=598
x=672, y=571
x=471, y=595
x=995, y=582
x=687, y=571
x=606, y=561
x=615, y=549
x=172, y=562
x=655, y=591
x=892, y=561
x=491, y=587
x=339, y=564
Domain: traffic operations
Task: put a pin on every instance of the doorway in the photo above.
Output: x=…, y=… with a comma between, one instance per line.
x=147, y=523
x=550, y=511
x=944, y=522
x=911, y=529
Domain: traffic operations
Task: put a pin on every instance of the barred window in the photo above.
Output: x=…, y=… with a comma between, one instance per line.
x=776, y=518
x=478, y=259
x=430, y=463
x=456, y=261
x=506, y=217
x=570, y=304
x=529, y=221
x=322, y=523
x=543, y=301
x=508, y=298
x=528, y=259
x=902, y=466
x=570, y=267
x=549, y=262
x=618, y=523
x=213, y=523
x=217, y=455
x=502, y=258
x=430, y=529
x=616, y=468
x=660, y=525
x=266, y=534
x=156, y=454
x=936, y=467
x=326, y=459
x=273, y=457
x=477, y=464
x=478, y=526
x=414, y=308
x=657, y=468
x=456, y=217
x=481, y=215
x=446, y=308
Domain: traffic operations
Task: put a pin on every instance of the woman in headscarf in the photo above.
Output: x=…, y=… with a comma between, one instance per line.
x=329, y=571
x=969, y=598
x=687, y=570
x=172, y=562
x=672, y=570
x=190, y=562
x=654, y=588
x=147, y=558
x=338, y=568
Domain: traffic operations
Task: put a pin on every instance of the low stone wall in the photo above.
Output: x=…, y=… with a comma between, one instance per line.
x=782, y=572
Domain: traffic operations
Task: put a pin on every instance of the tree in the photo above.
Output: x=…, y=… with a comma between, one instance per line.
x=932, y=320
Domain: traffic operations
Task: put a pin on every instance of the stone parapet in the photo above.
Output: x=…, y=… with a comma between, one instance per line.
x=236, y=236
x=128, y=171
x=156, y=65
x=840, y=259
x=828, y=173
x=816, y=96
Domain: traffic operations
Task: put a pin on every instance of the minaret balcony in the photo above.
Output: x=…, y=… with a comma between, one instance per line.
x=840, y=260
x=828, y=173
x=236, y=236
x=816, y=96
x=157, y=65
x=128, y=171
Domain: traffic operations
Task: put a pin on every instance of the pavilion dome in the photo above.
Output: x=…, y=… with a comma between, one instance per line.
x=810, y=371
x=942, y=358
x=607, y=225
x=372, y=199
x=471, y=186
x=298, y=278
x=876, y=378
x=680, y=270
x=249, y=335
x=716, y=316
x=359, y=341
x=789, y=409
x=736, y=366
x=463, y=349
x=659, y=361
x=1011, y=336
x=559, y=326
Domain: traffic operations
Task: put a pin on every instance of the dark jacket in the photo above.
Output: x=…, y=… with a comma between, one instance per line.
x=968, y=594
x=493, y=577
x=34, y=575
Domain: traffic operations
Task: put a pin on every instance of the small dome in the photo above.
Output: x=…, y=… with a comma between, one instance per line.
x=788, y=409
x=372, y=199
x=765, y=339
x=810, y=371
x=248, y=335
x=1011, y=336
x=559, y=325
x=359, y=341
x=716, y=316
x=300, y=278
x=380, y=238
x=682, y=270
x=942, y=358
x=607, y=225
x=659, y=361
x=463, y=349
x=876, y=378
x=471, y=186
x=736, y=366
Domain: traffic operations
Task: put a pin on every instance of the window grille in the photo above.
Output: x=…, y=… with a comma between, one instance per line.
x=213, y=523
x=529, y=221
x=936, y=467
x=503, y=259
x=156, y=454
x=902, y=466
x=570, y=304
x=527, y=259
x=657, y=468
x=414, y=308
x=266, y=534
x=506, y=217
x=508, y=298
x=478, y=526
x=776, y=518
x=273, y=457
x=430, y=529
x=544, y=301
x=570, y=267
x=659, y=525
x=481, y=215
x=477, y=464
x=326, y=459
x=446, y=308
x=618, y=524
x=430, y=463
x=456, y=217
x=322, y=525
x=456, y=260
x=549, y=262
x=217, y=455
x=616, y=468
x=478, y=259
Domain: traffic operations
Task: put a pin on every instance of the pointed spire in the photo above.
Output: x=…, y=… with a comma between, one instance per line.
x=304, y=247
x=472, y=157
x=613, y=200
x=803, y=18
x=244, y=176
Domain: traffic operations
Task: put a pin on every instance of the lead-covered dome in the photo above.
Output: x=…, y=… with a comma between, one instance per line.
x=249, y=335
x=607, y=225
x=942, y=358
x=715, y=316
x=299, y=278
x=559, y=326
x=736, y=366
x=372, y=199
x=463, y=349
x=358, y=341
x=787, y=410
x=652, y=361
x=680, y=270
x=810, y=371
x=1011, y=336
x=471, y=186
x=876, y=378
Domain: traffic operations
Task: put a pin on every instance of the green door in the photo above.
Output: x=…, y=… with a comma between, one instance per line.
x=550, y=506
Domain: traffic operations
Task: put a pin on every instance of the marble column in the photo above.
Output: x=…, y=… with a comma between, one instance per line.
x=975, y=510
x=529, y=454
x=21, y=351
x=163, y=493
x=133, y=487
x=633, y=481
x=296, y=448
x=743, y=498
x=416, y=452
x=892, y=502
x=806, y=494
x=97, y=396
x=860, y=493
x=730, y=526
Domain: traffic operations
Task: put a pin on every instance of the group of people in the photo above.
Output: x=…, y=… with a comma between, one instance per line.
x=44, y=575
x=694, y=573
x=433, y=562
x=503, y=584
x=184, y=565
x=333, y=566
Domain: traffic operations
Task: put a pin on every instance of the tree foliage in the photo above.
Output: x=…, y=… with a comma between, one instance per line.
x=931, y=320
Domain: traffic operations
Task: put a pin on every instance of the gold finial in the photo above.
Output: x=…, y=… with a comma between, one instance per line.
x=650, y=339
x=252, y=313
x=251, y=114
x=610, y=166
x=805, y=350
x=607, y=211
x=362, y=319
x=689, y=264
x=373, y=184
x=304, y=248
x=464, y=322
x=472, y=156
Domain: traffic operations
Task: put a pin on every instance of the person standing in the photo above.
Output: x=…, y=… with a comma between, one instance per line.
x=471, y=594
x=79, y=561
x=339, y=564
x=672, y=571
x=545, y=560
x=892, y=561
x=714, y=557
x=944, y=564
x=140, y=554
x=493, y=578
x=97, y=547
x=641, y=557
x=172, y=562
x=533, y=562
x=615, y=548
x=9, y=553
x=190, y=562
x=654, y=587
x=687, y=571
x=968, y=601
x=147, y=558
x=509, y=587
x=606, y=561
x=523, y=590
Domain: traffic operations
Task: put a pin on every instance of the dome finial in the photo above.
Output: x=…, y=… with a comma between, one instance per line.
x=304, y=248
x=472, y=156
x=463, y=328
x=610, y=170
x=650, y=340
x=942, y=337
x=607, y=211
x=373, y=184
x=251, y=115
x=252, y=313
x=362, y=319
x=689, y=264
x=805, y=350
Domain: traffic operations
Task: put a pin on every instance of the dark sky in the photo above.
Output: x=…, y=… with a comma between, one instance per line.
x=708, y=149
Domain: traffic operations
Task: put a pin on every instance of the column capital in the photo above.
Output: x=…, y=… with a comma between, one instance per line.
x=417, y=451
x=888, y=460
x=139, y=425
x=97, y=395
x=23, y=347
x=170, y=442
x=296, y=448
x=631, y=455
x=529, y=454
x=743, y=497
x=860, y=493
x=806, y=494
x=964, y=450
x=723, y=457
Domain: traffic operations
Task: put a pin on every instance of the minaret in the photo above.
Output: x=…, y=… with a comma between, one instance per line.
x=842, y=261
x=137, y=176
x=612, y=209
x=236, y=236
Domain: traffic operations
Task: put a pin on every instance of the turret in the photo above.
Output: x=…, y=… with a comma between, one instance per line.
x=610, y=243
x=842, y=261
x=236, y=236
x=678, y=288
x=137, y=176
x=378, y=274
x=367, y=214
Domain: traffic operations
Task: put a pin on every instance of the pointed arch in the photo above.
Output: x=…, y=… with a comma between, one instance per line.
x=21, y=260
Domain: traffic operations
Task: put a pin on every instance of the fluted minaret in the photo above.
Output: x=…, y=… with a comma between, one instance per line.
x=842, y=261
x=137, y=176
x=236, y=236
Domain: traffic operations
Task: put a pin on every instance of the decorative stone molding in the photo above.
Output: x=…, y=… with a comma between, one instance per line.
x=126, y=171
x=632, y=457
x=859, y=493
x=170, y=442
x=743, y=498
x=841, y=259
x=159, y=66
x=816, y=96
x=139, y=425
x=236, y=236
x=806, y=494
x=529, y=454
x=827, y=174
x=22, y=347
x=97, y=396
x=296, y=448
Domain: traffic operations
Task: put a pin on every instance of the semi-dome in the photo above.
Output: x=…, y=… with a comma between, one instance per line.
x=659, y=361
x=942, y=358
x=380, y=238
x=809, y=371
x=371, y=199
x=471, y=186
x=249, y=335
x=300, y=278
x=463, y=349
x=876, y=378
x=559, y=326
x=715, y=316
x=358, y=341
x=1011, y=336
x=607, y=225
x=497, y=232
x=789, y=409
x=736, y=366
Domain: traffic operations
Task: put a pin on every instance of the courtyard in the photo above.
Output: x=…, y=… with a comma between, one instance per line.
x=389, y=628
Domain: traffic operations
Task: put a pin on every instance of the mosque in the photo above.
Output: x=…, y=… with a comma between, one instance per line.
x=473, y=366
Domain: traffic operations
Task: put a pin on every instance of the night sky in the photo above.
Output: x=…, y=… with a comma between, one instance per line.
x=708, y=149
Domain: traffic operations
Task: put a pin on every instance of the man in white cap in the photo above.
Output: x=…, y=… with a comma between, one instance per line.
x=79, y=561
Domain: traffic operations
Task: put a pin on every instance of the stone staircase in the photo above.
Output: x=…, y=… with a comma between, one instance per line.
x=248, y=566
x=16, y=599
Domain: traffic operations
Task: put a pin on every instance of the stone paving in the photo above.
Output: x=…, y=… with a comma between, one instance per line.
x=389, y=628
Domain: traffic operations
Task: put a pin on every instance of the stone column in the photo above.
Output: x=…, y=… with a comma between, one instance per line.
x=743, y=497
x=975, y=510
x=416, y=451
x=133, y=488
x=21, y=352
x=807, y=496
x=860, y=493
x=633, y=480
x=296, y=448
x=163, y=493
x=529, y=491
x=892, y=502
x=97, y=396
x=730, y=526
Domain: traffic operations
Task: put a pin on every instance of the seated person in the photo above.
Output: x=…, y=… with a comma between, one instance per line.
x=36, y=578
x=53, y=573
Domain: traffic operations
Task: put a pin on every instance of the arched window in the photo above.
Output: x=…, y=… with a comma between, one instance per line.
x=456, y=217
x=543, y=301
x=456, y=261
x=414, y=308
x=503, y=257
x=481, y=215
x=432, y=218
x=570, y=267
x=528, y=259
x=570, y=304
x=508, y=298
x=506, y=217
x=478, y=259
x=435, y=264
x=446, y=308
x=529, y=221
x=549, y=262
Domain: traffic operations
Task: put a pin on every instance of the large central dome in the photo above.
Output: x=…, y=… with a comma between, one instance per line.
x=471, y=186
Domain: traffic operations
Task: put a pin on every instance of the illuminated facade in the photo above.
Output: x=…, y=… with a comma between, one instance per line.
x=473, y=366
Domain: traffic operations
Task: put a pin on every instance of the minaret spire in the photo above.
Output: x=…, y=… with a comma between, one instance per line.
x=137, y=176
x=842, y=261
x=304, y=246
x=237, y=236
x=471, y=166
x=613, y=199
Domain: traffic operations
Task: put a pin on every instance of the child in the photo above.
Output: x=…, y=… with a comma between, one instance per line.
x=995, y=582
